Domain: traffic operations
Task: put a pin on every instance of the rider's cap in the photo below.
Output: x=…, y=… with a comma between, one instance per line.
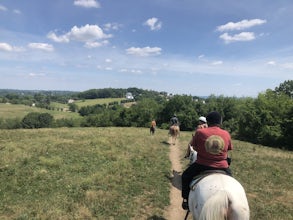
x=214, y=118
x=203, y=119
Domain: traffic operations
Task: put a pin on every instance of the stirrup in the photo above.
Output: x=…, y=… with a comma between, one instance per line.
x=185, y=204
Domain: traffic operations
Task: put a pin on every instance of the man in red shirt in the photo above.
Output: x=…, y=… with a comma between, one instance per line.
x=212, y=145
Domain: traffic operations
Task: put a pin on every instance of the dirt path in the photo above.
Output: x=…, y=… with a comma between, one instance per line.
x=174, y=211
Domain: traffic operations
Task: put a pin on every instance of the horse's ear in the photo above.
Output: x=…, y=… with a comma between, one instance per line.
x=191, y=148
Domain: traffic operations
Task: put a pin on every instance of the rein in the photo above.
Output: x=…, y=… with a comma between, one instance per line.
x=186, y=215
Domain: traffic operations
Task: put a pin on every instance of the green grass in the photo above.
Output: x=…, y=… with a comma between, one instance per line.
x=89, y=102
x=83, y=173
x=9, y=111
x=121, y=173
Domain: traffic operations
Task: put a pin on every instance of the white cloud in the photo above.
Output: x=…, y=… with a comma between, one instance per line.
x=243, y=36
x=59, y=39
x=154, y=24
x=93, y=44
x=92, y=35
x=241, y=25
x=145, y=51
x=87, y=3
x=271, y=63
x=111, y=26
x=5, y=47
x=8, y=48
x=87, y=32
x=3, y=8
x=16, y=11
x=134, y=71
x=36, y=74
x=201, y=56
x=41, y=46
x=219, y=62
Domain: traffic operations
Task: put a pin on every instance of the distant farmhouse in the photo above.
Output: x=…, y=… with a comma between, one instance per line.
x=129, y=96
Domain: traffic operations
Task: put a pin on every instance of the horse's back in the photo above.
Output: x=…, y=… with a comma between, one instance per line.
x=211, y=185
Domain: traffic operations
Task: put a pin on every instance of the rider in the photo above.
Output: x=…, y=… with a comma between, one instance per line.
x=202, y=123
x=174, y=120
x=153, y=124
x=212, y=145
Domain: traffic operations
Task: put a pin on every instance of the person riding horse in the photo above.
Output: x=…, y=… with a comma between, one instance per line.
x=174, y=122
x=153, y=126
x=212, y=145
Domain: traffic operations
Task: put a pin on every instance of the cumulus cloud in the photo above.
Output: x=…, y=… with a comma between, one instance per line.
x=8, y=48
x=5, y=47
x=145, y=51
x=243, y=36
x=87, y=3
x=241, y=25
x=91, y=35
x=41, y=46
x=154, y=24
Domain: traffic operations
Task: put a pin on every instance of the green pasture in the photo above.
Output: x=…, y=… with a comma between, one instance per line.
x=19, y=111
x=89, y=102
x=121, y=173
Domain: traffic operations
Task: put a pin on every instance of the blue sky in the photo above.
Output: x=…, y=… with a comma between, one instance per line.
x=223, y=47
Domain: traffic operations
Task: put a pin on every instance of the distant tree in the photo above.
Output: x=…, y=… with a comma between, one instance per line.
x=73, y=107
x=37, y=120
x=286, y=87
x=184, y=108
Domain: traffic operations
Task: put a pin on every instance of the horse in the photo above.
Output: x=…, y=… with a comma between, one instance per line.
x=152, y=130
x=217, y=196
x=174, y=131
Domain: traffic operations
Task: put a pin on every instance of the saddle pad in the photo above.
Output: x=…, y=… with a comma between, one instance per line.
x=203, y=174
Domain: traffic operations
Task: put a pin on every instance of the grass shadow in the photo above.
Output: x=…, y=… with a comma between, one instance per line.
x=155, y=217
x=175, y=179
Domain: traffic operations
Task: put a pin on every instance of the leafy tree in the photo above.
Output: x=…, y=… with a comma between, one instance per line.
x=184, y=108
x=73, y=107
x=286, y=87
x=37, y=120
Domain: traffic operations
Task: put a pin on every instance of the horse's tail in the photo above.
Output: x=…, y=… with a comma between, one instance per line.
x=216, y=207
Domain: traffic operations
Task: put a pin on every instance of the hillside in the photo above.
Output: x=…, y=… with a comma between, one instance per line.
x=121, y=173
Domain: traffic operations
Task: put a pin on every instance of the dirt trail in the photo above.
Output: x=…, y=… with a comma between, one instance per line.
x=174, y=211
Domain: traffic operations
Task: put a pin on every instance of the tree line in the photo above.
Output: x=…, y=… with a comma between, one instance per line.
x=266, y=119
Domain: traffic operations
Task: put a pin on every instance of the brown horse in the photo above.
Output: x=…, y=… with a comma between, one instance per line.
x=174, y=131
x=152, y=130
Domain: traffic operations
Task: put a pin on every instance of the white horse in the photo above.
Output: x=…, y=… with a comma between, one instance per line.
x=216, y=197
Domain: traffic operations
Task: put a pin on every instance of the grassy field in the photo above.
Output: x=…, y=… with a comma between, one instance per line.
x=8, y=111
x=19, y=111
x=120, y=173
x=81, y=103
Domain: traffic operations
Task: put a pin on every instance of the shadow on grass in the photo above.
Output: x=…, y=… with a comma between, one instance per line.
x=156, y=218
x=165, y=142
x=175, y=179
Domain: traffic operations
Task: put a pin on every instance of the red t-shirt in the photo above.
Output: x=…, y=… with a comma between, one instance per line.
x=212, y=145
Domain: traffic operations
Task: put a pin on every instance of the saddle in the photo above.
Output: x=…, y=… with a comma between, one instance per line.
x=202, y=175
